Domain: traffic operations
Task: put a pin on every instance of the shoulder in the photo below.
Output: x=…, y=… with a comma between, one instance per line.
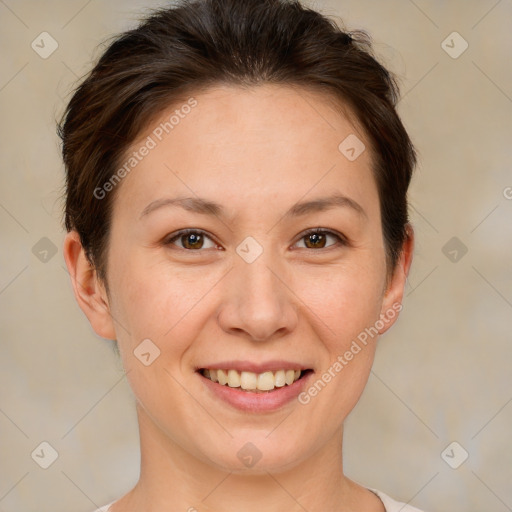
x=394, y=506
x=389, y=503
x=104, y=508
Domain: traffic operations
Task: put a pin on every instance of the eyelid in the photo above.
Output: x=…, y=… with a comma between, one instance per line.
x=342, y=239
x=168, y=240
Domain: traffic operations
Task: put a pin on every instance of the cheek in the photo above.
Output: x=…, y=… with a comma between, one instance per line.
x=348, y=309
x=348, y=305
x=347, y=300
x=160, y=303
x=159, y=306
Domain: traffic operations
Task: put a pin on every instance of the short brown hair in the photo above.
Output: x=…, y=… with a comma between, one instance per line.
x=195, y=44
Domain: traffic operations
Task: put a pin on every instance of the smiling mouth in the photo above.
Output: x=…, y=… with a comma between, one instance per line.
x=253, y=382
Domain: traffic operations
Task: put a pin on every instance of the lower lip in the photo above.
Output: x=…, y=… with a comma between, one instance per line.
x=257, y=402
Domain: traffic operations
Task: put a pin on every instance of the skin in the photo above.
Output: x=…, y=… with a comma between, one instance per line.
x=257, y=152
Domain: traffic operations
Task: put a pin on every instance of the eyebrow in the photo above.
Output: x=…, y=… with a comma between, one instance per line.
x=206, y=207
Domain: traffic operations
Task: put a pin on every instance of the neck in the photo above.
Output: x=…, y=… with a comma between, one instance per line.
x=171, y=476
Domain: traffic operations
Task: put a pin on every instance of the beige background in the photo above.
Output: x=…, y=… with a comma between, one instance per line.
x=442, y=374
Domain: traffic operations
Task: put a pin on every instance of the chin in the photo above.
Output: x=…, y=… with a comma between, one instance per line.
x=257, y=456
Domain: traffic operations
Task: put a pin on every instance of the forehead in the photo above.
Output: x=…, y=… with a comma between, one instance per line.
x=260, y=143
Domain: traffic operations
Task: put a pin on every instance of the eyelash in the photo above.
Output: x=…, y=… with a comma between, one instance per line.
x=341, y=240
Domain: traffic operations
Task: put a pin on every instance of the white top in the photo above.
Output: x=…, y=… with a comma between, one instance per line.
x=389, y=504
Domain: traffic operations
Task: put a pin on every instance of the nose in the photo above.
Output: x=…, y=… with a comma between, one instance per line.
x=257, y=303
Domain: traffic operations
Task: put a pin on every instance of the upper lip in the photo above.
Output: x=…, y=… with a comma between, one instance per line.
x=251, y=366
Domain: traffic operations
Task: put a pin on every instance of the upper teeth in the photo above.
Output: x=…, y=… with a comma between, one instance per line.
x=265, y=381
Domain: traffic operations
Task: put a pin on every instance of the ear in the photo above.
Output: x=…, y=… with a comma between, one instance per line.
x=392, y=302
x=89, y=291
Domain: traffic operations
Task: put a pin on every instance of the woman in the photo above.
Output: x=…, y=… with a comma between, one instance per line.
x=237, y=221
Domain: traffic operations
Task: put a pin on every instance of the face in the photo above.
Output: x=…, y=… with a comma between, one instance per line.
x=249, y=289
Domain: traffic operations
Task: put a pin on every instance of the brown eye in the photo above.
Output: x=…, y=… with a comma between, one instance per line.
x=191, y=240
x=317, y=239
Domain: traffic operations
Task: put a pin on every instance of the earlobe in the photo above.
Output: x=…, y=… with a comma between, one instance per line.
x=88, y=289
x=393, y=297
